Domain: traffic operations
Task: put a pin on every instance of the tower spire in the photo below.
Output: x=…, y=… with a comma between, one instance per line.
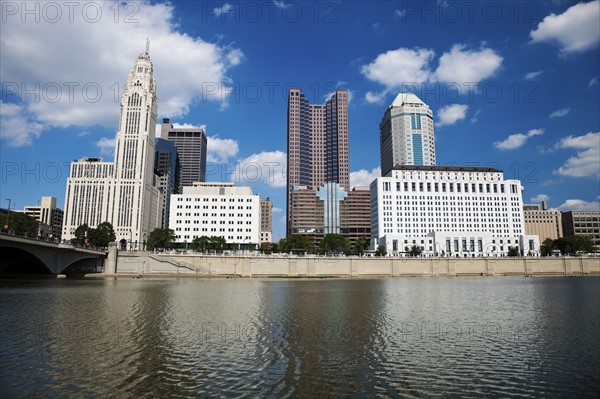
x=147, y=46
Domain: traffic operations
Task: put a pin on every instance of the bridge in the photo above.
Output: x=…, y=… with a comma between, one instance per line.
x=22, y=255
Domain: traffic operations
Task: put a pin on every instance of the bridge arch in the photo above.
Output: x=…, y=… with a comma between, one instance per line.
x=16, y=260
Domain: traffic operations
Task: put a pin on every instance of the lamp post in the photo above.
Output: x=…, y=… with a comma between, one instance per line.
x=144, y=243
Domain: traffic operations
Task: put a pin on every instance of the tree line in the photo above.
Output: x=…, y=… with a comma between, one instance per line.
x=569, y=245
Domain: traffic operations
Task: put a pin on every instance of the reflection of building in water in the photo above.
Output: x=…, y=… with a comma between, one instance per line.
x=458, y=211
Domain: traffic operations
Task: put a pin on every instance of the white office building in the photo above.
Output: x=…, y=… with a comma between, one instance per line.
x=216, y=210
x=406, y=135
x=449, y=211
x=123, y=193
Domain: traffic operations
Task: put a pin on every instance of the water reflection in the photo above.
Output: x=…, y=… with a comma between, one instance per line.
x=315, y=338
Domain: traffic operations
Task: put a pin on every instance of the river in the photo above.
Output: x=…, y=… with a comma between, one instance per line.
x=412, y=337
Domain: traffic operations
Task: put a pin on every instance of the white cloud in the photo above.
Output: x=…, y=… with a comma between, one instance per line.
x=462, y=65
x=16, y=127
x=560, y=113
x=363, y=178
x=587, y=160
x=533, y=75
x=224, y=9
x=375, y=98
x=475, y=117
x=280, y=4
x=97, y=56
x=83, y=133
x=275, y=209
x=397, y=67
x=405, y=67
x=106, y=145
x=268, y=167
x=451, y=114
x=593, y=82
x=579, y=205
x=575, y=30
x=399, y=13
x=219, y=150
x=539, y=198
x=515, y=141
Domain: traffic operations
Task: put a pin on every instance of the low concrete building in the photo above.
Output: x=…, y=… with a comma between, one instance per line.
x=449, y=211
x=216, y=210
x=541, y=221
x=582, y=223
x=49, y=216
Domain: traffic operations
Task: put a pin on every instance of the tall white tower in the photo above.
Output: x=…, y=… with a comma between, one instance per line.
x=123, y=193
x=135, y=205
x=406, y=134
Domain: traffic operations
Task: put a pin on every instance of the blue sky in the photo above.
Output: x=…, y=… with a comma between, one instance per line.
x=511, y=84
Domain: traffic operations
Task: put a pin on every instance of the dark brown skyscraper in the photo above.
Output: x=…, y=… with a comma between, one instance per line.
x=317, y=144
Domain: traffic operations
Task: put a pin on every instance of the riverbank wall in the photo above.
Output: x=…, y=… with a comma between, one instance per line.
x=144, y=263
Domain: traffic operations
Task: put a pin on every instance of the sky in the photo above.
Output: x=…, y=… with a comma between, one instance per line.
x=511, y=84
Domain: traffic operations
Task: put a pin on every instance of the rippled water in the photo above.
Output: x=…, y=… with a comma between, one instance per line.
x=311, y=338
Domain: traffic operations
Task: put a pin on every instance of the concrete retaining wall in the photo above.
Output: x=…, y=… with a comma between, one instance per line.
x=312, y=266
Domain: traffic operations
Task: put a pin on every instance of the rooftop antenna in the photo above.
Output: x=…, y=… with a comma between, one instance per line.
x=147, y=46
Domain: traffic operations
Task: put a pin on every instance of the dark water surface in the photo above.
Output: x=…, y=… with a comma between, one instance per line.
x=312, y=338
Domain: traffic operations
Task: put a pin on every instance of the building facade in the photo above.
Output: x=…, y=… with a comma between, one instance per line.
x=582, y=223
x=406, y=134
x=449, y=211
x=123, y=193
x=266, y=221
x=166, y=167
x=317, y=146
x=543, y=222
x=331, y=210
x=191, y=147
x=217, y=210
x=48, y=215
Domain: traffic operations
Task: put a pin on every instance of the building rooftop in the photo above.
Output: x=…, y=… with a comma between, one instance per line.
x=439, y=168
x=402, y=98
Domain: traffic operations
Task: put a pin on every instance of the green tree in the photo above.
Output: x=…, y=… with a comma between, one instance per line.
x=334, y=243
x=102, y=235
x=583, y=244
x=81, y=235
x=547, y=247
x=161, y=238
x=415, y=250
x=513, y=251
x=217, y=243
x=360, y=246
x=200, y=243
x=275, y=247
x=19, y=223
x=266, y=247
x=296, y=242
x=381, y=251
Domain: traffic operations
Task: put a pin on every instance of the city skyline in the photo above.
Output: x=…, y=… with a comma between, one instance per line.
x=523, y=101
